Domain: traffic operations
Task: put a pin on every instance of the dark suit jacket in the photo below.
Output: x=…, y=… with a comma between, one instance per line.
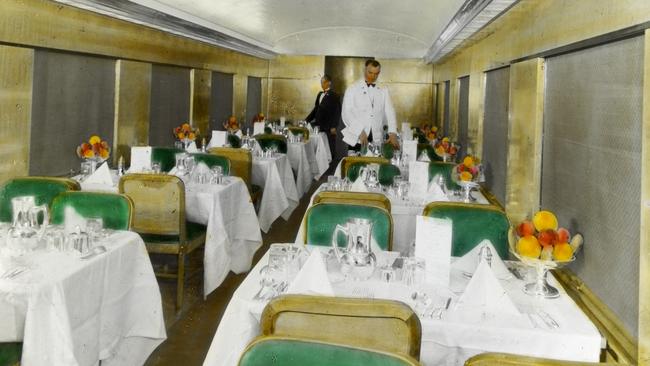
x=326, y=115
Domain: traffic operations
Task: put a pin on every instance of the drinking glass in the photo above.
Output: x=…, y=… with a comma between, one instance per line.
x=155, y=167
x=333, y=183
x=87, y=168
x=413, y=275
x=94, y=227
x=217, y=174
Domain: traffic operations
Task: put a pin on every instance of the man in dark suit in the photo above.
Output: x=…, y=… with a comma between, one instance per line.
x=327, y=111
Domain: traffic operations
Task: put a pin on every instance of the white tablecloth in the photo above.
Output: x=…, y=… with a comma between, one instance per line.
x=69, y=311
x=444, y=341
x=299, y=155
x=404, y=213
x=233, y=231
x=280, y=196
x=322, y=156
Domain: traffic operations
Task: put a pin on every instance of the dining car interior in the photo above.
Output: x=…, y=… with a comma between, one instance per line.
x=296, y=182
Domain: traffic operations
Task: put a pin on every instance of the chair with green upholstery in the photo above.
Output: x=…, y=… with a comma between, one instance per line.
x=297, y=130
x=115, y=210
x=357, y=198
x=321, y=220
x=444, y=169
x=387, y=150
x=211, y=160
x=505, y=359
x=159, y=218
x=267, y=141
x=472, y=223
x=350, y=165
x=44, y=189
x=378, y=324
x=386, y=175
x=165, y=156
x=234, y=141
x=241, y=165
x=289, y=351
x=10, y=353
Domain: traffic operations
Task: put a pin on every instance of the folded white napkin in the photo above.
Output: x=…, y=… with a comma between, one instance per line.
x=72, y=221
x=435, y=193
x=358, y=185
x=102, y=175
x=349, y=137
x=423, y=156
x=469, y=262
x=485, y=294
x=192, y=148
x=312, y=278
x=199, y=168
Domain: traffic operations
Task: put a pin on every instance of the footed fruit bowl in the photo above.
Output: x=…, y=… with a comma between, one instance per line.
x=541, y=245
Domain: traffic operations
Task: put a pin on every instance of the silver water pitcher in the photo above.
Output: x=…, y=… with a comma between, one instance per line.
x=357, y=259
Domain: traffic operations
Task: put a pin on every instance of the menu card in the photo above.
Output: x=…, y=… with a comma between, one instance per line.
x=433, y=244
x=218, y=138
x=407, y=133
x=140, y=159
x=258, y=128
x=418, y=179
x=410, y=149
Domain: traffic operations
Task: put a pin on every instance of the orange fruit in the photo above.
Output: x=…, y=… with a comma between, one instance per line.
x=562, y=252
x=545, y=220
x=94, y=139
x=468, y=161
x=528, y=246
x=466, y=176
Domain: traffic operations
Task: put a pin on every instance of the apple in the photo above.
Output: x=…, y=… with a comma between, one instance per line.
x=525, y=228
x=547, y=237
x=563, y=235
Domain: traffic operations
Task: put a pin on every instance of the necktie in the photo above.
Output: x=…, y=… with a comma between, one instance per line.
x=370, y=85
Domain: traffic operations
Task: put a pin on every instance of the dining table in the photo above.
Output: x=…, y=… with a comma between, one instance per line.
x=549, y=328
x=233, y=230
x=69, y=309
x=280, y=195
x=300, y=153
x=322, y=155
x=404, y=211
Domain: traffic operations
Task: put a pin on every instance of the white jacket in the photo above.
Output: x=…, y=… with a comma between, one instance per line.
x=365, y=109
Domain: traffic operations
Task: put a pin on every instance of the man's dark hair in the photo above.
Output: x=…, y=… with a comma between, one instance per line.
x=373, y=63
x=327, y=77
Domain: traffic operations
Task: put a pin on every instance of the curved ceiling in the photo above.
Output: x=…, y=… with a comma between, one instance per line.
x=426, y=29
x=380, y=28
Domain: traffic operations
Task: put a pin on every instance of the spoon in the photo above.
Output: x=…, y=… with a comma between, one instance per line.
x=96, y=251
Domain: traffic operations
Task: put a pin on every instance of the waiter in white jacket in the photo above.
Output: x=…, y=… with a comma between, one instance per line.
x=366, y=109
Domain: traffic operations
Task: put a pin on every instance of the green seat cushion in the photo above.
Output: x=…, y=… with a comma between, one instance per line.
x=10, y=353
x=267, y=141
x=323, y=218
x=472, y=224
x=113, y=209
x=299, y=353
x=165, y=156
x=387, y=150
x=444, y=169
x=211, y=160
x=193, y=230
x=387, y=172
x=43, y=190
x=234, y=141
